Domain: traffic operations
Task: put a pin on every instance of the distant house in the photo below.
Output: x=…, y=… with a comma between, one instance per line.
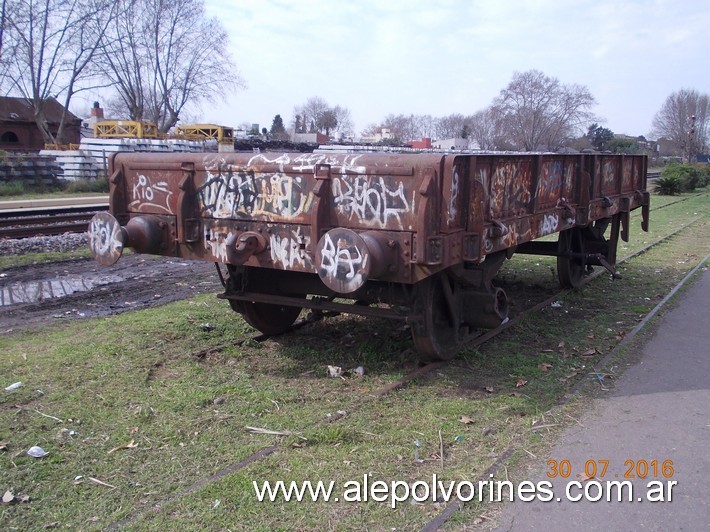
x=424, y=144
x=310, y=138
x=19, y=132
x=456, y=143
x=383, y=134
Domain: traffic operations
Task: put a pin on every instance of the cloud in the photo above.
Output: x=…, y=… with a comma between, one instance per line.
x=423, y=57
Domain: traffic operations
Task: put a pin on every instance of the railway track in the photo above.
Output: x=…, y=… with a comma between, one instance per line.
x=48, y=217
x=422, y=371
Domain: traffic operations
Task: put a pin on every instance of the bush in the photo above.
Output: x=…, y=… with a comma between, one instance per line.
x=688, y=176
x=13, y=188
x=98, y=186
x=668, y=186
x=704, y=170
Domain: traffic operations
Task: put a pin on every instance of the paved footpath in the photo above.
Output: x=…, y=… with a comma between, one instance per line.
x=658, y=410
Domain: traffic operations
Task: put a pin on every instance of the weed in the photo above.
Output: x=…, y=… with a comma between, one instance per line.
x=13, y=188
x=97, y=186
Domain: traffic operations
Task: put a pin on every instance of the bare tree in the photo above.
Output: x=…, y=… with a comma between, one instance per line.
x=538, y=112
x=2, y=26
x=402, y=127
x=345, y=127
x=316, y=116
x=450, y=126
x=425, y=126
x=485, y=129
x=165, y=55
x=310, y=113
x=53, y=44
x=674, y=121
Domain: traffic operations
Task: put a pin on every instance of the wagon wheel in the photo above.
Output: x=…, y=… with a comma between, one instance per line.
x=269, y=318
x=436, y=333
x=571, y=264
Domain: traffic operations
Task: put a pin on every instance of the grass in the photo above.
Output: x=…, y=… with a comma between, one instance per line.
x=15, y=261
x=152, y=413
x=18, y=190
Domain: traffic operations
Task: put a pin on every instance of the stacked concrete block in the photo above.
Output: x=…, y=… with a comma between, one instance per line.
x=91, y=159
x=29, y=168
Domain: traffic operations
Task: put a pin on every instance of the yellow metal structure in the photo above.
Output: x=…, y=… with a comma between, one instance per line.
x=222, y=134
x=126, y=129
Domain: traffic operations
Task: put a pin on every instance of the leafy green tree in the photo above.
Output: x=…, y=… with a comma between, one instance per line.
x=599, y=136
x=278, y=131
x=327, y=122
x=622, y=145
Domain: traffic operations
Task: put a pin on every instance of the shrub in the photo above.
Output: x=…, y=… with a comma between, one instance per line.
x=99, y=185
x=704, y=170
x=13, y=188
x=688, y=176
x=668, y=186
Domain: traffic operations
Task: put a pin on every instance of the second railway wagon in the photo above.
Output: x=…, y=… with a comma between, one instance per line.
x=416, y=237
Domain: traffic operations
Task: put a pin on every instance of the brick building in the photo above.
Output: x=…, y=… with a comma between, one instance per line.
x=19, y=132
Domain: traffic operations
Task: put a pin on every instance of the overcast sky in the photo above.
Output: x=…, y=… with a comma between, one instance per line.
x=439, y=57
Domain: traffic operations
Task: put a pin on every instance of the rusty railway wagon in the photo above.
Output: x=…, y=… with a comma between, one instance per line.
x=416, y=237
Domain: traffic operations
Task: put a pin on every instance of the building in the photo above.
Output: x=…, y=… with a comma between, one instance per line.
x=19, y=131
x=310, y=138
x=383, y=134
x=87, y=125
x=424, y=144
x=456, y=143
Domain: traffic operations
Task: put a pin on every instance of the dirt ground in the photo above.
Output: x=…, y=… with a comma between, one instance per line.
x=54, y=292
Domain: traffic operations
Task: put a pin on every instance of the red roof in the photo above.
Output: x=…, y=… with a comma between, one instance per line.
x=20, y=110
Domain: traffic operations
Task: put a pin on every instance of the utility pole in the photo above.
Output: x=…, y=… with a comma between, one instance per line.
x=691, y=135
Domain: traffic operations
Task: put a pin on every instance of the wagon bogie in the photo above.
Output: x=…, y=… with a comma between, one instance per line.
x=417, y=237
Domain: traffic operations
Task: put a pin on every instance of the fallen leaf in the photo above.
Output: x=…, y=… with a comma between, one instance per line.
x=590, y=336
x=589, y=352
x=133, y=430
x=489, y=389
x=131, y=445
x=561, y=345
x=3, y=446
x=8, y=497
x=466, y=420
x=544, y=366
x=520, y=383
